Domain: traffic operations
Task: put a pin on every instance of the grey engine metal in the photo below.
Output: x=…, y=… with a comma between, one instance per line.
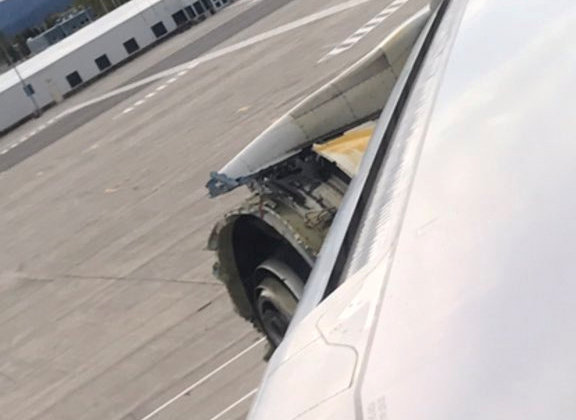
x=304, y=226
x=474, y=312
x=320, y=276
x=357, y=95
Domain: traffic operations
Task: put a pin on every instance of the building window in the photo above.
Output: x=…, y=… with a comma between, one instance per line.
x=180, y=18
x=29, y=90
x=199, y=7
x=74, y=79
x=131, y=46
x=191, y=13
x=209, y=5
x=103, y=62
x=159, y=29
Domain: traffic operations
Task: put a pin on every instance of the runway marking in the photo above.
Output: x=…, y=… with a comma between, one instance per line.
x=280, y=30
x=204, y=379
x=234, y=405
x=244, y=2
x=31, y=134
x=364, y=30
x=148, y=96
x=177, y=72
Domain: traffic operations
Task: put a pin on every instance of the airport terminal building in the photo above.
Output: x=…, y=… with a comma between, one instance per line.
x=55, y=72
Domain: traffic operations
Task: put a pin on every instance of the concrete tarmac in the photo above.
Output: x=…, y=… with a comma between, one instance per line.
x=108, y=309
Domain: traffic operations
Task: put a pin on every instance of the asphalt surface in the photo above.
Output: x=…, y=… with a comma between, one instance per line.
x=188, y=52
x=108, y=309
x=64, y=126
x=217, y=36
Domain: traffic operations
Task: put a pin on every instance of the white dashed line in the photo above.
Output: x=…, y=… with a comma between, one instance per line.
x=148, y=96
x=364, y=30
x=153, y=93
x=31, y=134
x=280, y=30
x=204, y=379
x=315, y=17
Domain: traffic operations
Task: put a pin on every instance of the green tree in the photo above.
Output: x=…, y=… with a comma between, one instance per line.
x=51, y=20
x=20, y=45
x=3, y=58
x=8, y=54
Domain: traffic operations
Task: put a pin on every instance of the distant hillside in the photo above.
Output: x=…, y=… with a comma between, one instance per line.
x=17, y=15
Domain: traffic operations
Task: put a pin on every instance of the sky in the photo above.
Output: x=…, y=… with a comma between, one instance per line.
x=16, y=15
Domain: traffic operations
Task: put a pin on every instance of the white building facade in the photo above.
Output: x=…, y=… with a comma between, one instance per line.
x=52, y=74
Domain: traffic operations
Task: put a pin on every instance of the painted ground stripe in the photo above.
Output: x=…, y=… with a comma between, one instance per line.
x=280, y=30
x=354, y=39
x=283, y=29
x=234, y=405
x=365, y=30
x=379, y=20
x=206, y=378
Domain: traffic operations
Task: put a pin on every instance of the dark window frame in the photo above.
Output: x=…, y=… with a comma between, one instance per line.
x=131, y=46
x=74, y=79
x=103, y=62
x=29, y=89
x=180, y=18
x=159, y=29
